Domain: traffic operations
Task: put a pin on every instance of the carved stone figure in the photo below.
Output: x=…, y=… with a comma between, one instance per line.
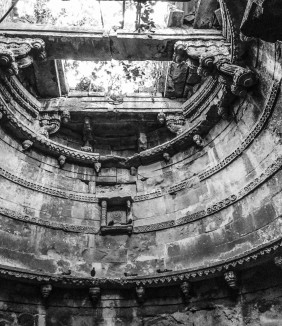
x=140, y=293
x=95, y=293
x=50, y=123
x=166, y=157
x=175, y=123
x=62, y=160
x=46, y=290
x=161, y=118
x=65, y=116
x=133, y=171
x=186, y=290
x=87, y=135
x=26, y=144
x=142, y=142
x=231, y=279
x=278, y=261
x=97, y=167
x=198, y=140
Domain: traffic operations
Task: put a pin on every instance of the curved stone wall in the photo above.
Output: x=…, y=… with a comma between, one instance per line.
x=206, y=230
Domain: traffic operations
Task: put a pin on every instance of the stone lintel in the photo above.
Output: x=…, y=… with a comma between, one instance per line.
x=86, y=44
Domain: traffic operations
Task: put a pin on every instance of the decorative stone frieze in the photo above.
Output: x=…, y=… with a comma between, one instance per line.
x=244, y=261
x=46, y=290
x=140, y=294
x=95, y=293
x=27, y=144
x=231, y=279
x=16, y=53
x=186, y=290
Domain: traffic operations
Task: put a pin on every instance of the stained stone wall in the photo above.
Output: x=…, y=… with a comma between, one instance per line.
x=206, y=208
x=212, y=303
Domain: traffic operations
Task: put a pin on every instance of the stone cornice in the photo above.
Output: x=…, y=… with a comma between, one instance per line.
x=248, y=258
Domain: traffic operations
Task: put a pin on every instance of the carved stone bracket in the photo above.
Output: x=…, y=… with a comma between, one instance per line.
x=65, y=116
x=140, y=294
x=26, y=144
x=198, y=140
x=213, y=57
x=231, y=279
x=62, y=160
x=95, y=293
x=16, y=53
x=46, y=290
x=97, y=167
x=174, y=122
x=278, y=261
x=50, y=123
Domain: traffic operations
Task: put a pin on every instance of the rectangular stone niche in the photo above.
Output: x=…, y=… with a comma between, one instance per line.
x=116, y=216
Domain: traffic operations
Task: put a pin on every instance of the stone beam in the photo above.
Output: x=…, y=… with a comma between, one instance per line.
x=84, y=44
x=99, y=106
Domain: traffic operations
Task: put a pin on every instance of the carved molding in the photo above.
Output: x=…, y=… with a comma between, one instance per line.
x=16, y=53
x=18, y=94
x=46, y=189
x=47, y=223
x=144, y=157
x=216, y=207
x=251, y=136
x=248, y=258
